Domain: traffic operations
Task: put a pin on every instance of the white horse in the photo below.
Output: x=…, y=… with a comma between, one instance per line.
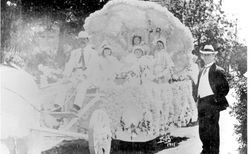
x=20, y=108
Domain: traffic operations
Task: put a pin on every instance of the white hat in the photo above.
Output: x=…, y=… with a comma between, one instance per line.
x=208, y=49
x=83, y=34
x=162, y=39
x=106, y=46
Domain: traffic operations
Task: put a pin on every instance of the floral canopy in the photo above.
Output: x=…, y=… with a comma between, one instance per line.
x=119, y=20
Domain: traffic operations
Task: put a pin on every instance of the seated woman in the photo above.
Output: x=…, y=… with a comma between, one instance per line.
x=137, y=64
x=137, y=41
x=157, y=35
x=163, y=63
x=162, y=71
x=109, y=67
x=101, y=73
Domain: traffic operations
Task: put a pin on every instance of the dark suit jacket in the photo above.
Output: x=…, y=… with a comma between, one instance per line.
x=219, y=85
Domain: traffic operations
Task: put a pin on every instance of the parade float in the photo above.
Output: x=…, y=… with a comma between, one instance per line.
x=131, y=114
x=125, y=110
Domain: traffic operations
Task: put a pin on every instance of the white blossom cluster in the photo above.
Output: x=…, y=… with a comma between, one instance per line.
x=131, y=106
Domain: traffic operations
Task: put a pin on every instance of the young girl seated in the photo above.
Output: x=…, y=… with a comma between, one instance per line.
x=163, y=63
x=109, y=67
x=136, y=42
x=138, y=64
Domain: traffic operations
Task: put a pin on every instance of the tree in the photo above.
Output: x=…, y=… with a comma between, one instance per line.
x=209, y=25
x=239, y=83
x=68, y=15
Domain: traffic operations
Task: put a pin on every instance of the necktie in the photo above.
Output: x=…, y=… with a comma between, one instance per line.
x=204, y=70
x=81, y=60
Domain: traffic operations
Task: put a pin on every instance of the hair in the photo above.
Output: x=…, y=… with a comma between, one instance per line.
x=136, y=36
x=140, y=49
x=105, y=49
x=161, y=42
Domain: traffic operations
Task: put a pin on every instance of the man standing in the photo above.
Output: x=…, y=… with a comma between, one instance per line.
x=212, y=89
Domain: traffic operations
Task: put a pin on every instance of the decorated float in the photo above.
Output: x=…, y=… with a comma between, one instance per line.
x=133, y=115
x=130, y=109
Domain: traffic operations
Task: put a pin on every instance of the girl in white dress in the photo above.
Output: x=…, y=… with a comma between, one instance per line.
x=162, y=69
x=139, y=65
x=109, y=67
x=136, y=42
x=163, y=63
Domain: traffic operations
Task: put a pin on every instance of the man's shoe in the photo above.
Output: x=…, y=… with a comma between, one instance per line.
x=75, y=108
x=57, y=108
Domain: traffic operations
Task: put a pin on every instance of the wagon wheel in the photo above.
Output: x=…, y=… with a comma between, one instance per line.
x=99, y=133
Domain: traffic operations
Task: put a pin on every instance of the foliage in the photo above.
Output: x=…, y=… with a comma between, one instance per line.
x=209, y=25
x=238, y=59
x=239, y=83
x=67, y=15
x=240, y=110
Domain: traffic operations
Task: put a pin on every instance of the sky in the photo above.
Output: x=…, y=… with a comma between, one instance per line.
x=239, y=9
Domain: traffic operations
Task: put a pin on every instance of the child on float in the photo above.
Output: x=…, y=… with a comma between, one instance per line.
x=183, y=86
x=132, y=65
x=101, y=73
x=138, y=65
x=162, y=69
x=144, y=66
x=163, y=64
x=109, y=67
x=138, y=40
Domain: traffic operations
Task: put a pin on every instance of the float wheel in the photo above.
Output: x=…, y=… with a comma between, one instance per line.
x=99, y=133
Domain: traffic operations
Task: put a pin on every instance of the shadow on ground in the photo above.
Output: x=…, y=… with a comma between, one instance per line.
x=118, y=147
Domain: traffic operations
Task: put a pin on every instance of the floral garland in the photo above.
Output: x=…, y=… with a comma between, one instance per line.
x=130, y=108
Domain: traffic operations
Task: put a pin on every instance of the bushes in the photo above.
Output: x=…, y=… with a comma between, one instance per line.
x=240, y=110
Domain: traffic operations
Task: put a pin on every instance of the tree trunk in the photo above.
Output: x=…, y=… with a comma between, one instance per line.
x=60, y=56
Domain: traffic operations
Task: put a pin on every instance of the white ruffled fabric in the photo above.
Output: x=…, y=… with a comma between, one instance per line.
x=133, y=104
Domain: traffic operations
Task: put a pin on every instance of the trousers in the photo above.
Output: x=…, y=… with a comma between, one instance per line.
x=209, y=131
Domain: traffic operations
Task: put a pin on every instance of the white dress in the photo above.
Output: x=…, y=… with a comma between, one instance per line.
x=129, y=60
x=162, y=63
x=162, y=91
x=132, y=64
x=109, y=68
